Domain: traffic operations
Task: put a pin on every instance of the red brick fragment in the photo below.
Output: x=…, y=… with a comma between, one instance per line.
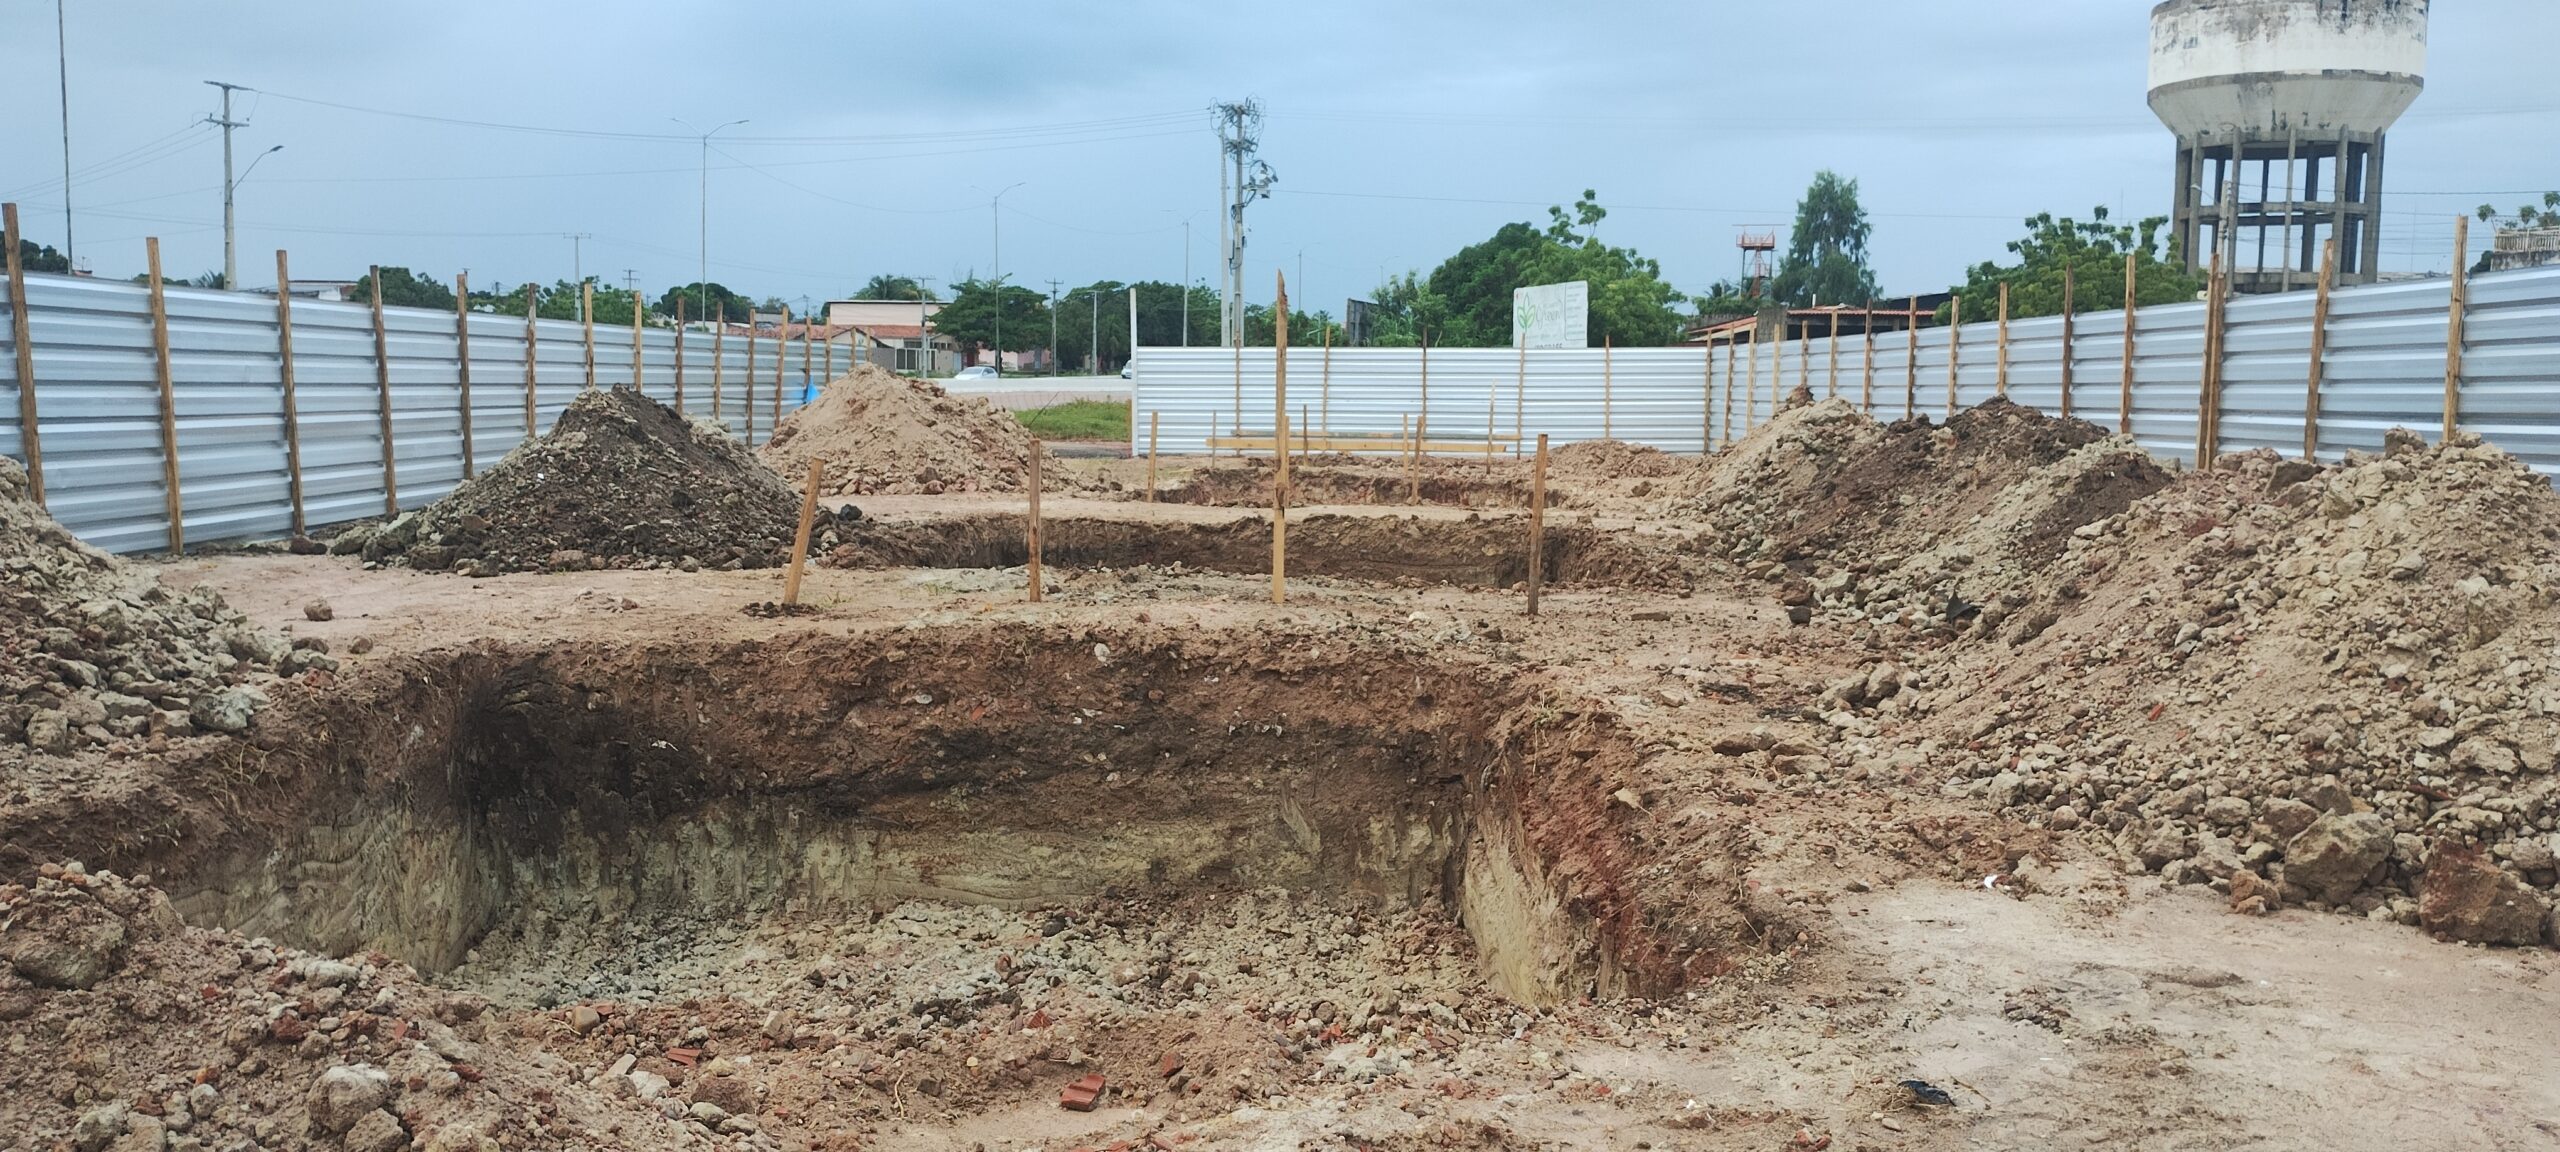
x=685, y=1056
x=1082, y=1095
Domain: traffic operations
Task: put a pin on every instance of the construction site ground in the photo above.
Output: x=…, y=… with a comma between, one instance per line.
x=636, y=859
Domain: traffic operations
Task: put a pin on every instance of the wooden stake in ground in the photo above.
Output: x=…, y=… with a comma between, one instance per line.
x=1538, y=524
x=2067, y=345
x=2124, y=398
x=782, y=352
x=1751, y=389
x=1280, y=376
x=382, y=382
x=1727, y=430
x=587, y=320
x=800, y=542
x=532, y=353
x=2209, y=398
x=806, y=380
x=1519, y=399
x=1706, y=398
x=1031, y=525
x=169, y=393
x=828, y=361
x=1804, y=360
x=2000, y=375
x=1412, y=461
x=1280, y=523
x=30, y=434
x=292, y=407
x=462, y=361
x=719, y=356
x=2319, y=350
x=1324, y=386
x=1422, y=419
x=2461, y=301
x=1155, y=422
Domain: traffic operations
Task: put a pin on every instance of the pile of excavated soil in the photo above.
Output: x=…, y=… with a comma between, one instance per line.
x=883, y=433
x=96, y=652
x=620, y=481
x=2301, y=685
x=123, y=1029
x=1616, y=460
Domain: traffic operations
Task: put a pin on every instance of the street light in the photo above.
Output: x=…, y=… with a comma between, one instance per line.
x=995, y=209
x=702, y=277
x=230, y=263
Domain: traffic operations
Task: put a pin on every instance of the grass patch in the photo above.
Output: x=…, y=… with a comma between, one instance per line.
x=1078, y=420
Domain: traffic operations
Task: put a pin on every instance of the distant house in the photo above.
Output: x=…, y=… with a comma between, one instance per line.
x=867, y=313
x=1775, y=323
x=323, y=289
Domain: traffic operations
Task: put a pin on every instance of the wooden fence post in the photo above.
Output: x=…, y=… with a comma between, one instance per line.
x=747, y=386
x=587, y=316
x=29, y=433
x=638, y=381
x=1519, y=401
x=719, y=358
x=2460, y=301
x=782, y=352
x=1538, y=524
x=2209, y=398
x=1867, y=373
x=462, y=361
x=1031, y=524
x=1279, y=379
x=2067, y=346
x=1422, y=419
x=2132, y=320
x=679, y=352
x=827, y=364
x=1324, y=407
x=1911, y=361
x=292, y=406
x=168, y=401
x=1831, y=390
x=1729, y=353
x=2000, y=375
x=532, y=356
x=1608, y=355
x=1751, y=387
x=1706, y=398
x=1804, y=365
x=2319, y=351
x=806, y=380
x=382, y=385
x=1955, y=350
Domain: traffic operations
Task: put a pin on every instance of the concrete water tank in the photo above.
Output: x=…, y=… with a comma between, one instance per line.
x=2280, y=108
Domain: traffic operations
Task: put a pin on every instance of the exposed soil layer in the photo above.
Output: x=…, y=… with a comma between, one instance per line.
x=620, y=481
x=95, y=653
x=883, y=433
x=1480, y=553
x=1247, y=483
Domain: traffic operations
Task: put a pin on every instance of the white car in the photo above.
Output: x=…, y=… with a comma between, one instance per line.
x=975, y=372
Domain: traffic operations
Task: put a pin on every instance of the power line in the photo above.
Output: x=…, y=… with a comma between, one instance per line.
x=1013, y=131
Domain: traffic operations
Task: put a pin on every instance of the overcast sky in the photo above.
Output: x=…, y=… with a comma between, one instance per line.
x=1400, y=132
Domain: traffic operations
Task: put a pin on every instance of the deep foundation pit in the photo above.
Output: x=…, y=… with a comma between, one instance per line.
x=1488, y=552
x=564, y=823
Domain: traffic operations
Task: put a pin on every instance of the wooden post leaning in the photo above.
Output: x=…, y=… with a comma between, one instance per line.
x=2000, y=375
x=1155, y=422
x=169, y=396
x=2124, y=395
x=2461, y=301
x=23, y=350
x=462, y=362
x=2319, y=350
x=800, y=542
x=587, y=320
x=382, y=382
x=292, y=406
x=1538, y=524
x=532, y=346
x=2067, y=346
x=1031, y=525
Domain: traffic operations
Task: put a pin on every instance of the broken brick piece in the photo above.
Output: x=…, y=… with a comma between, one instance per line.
x=684, y=1056
x=1171, y=1064
x=1082, y=1095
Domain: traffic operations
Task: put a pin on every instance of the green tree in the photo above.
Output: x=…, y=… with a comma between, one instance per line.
x=35, y=258
x=402, y=288
x=887, y=287
x=1826, y=260
x=1466, y=301
x=2094, y=251
x=970, y=317
x=703, y=302
x=2543, y=215
x=1159, y=321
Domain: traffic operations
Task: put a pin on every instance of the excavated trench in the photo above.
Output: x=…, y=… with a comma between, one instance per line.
x=1480, y=553
x=1248, y=484
x=451, y=795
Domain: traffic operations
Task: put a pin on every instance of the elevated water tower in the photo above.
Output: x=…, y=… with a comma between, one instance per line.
x=2280, y=107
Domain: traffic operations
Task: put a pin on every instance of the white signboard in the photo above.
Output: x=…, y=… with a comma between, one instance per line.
x=1551, y=315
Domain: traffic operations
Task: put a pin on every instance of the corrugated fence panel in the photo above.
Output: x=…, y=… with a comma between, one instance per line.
x=98, y=394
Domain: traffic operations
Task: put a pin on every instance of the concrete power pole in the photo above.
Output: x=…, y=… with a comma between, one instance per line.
x=1053, y=328
x=1245, y=179
x=1093, y=351
x=230, y=238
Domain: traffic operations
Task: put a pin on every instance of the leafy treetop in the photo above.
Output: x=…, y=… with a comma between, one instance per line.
x=2094, y=251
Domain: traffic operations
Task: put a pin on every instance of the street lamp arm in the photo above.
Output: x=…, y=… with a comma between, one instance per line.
x=253, y=165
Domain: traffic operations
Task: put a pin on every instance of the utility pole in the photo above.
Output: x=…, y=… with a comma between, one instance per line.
x=924, y=335
x=1053, y=329
x=702, y=273
x=1186, y=282
x=62, y=68
x=1093, y=352
x=578, y=268
x=631, y=281
x=1240, y=143
x=995, y=212
x=230, y=247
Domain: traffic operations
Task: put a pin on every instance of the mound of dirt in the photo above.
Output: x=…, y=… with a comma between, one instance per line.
x=187, y=1038
x=2302, y=685
x=621, y=481
x=97, y=652
x=1616, y=460
x=883, y=433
